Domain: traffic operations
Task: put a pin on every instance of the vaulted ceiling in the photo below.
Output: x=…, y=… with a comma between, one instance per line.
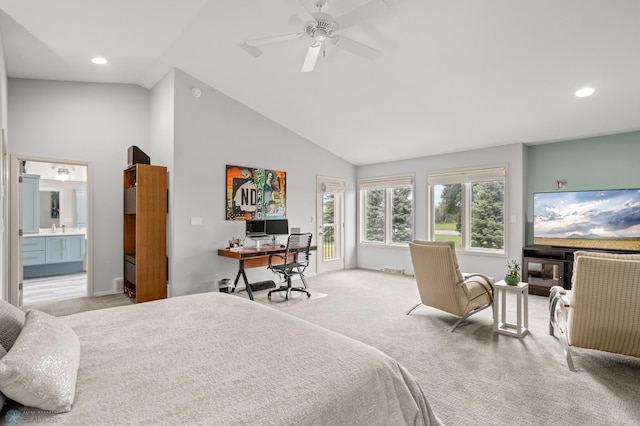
x=450, y=75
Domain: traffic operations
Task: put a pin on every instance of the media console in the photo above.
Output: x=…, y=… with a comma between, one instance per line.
x=546, y=266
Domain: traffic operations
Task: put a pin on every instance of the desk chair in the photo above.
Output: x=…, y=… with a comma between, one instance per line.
x=295, y=260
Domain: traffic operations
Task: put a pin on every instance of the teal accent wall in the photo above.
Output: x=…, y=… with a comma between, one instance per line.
x=604, y=162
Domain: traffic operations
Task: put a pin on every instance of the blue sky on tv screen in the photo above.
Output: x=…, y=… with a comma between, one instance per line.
x=587, y=214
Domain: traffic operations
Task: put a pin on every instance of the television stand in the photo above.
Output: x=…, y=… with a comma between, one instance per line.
x=546, y=266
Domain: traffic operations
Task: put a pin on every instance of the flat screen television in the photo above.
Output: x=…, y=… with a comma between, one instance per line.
x=255, y=228
x=605, y=219
x=277, y=227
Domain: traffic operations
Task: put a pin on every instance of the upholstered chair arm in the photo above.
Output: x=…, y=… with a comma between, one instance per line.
x=485, y=282
x=559, y=302
x=559, y=294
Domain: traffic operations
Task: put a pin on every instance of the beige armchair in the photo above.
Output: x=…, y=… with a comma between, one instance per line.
x=602, y=309
x=441, y=284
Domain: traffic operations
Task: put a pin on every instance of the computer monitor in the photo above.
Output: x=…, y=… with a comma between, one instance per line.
x=255, y=228
x=277, y=227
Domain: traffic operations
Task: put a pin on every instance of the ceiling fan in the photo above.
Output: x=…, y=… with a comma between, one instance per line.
x=320, y=27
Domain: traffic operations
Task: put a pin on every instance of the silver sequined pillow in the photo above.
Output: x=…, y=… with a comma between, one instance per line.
x=2, y=398
x=11, y=321
x=41, y=368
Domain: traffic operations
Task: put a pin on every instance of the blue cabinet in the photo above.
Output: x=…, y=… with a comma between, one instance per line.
x=81, y=207
x=65, y=249
x=30, y=204
x=48, y=255
x=33, y=251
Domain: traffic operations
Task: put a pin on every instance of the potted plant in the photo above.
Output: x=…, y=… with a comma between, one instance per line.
x=512, y=276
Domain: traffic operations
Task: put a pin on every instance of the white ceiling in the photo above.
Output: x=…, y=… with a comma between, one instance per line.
x=451, y=76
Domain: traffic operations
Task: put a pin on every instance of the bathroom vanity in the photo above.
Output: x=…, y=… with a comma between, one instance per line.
x=53, y=253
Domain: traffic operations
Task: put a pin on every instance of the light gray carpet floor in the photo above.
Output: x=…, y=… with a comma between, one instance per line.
x=472, y=376
x=80, y=304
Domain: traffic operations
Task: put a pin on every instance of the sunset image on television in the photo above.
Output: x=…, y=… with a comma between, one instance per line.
x=606, y=219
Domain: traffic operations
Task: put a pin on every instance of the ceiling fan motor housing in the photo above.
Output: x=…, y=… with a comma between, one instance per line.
x=323, y=27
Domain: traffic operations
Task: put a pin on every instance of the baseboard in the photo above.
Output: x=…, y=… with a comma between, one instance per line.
x=404, y=273
x=106, y=293
x=117, y=288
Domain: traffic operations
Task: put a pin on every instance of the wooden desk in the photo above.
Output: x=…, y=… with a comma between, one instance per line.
x=250, y=257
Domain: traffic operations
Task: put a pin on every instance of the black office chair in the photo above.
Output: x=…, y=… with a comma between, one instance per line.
x=295, y=260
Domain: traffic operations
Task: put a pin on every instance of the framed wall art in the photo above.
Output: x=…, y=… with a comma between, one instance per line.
x=255, y=193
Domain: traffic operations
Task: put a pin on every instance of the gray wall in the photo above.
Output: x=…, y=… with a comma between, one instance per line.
x=195, y=138
x=85, y=122
x=512, y=155
x=161, y=134
x=210, y=132
x=605, y=162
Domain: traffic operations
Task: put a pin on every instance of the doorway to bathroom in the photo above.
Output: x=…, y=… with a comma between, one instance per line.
x=51, y=242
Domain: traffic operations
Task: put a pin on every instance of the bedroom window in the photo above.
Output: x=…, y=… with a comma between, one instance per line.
x=386, y=210
x=468, y=207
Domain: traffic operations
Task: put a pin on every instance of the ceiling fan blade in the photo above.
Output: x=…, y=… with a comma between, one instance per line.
x=300, y=10
x=362, y=12
x=273, y=39
x=252, y=50
x=356, y=47
x=311, y=58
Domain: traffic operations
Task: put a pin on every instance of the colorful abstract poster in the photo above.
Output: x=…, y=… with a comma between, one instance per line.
x=255, y=193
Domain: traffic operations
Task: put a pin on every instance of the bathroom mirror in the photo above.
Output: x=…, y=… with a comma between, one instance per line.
x=49, y=209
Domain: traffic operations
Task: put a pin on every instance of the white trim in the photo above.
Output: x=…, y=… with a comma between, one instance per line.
x=386, y=183
x=15, y=254
x=464, y=177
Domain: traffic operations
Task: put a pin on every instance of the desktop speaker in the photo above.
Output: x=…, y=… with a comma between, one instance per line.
x=136, y=156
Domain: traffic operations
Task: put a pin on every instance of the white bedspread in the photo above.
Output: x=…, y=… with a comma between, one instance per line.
x=218, y=359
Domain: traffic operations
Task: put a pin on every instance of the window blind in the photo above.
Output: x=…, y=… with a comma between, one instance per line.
x=466, y=176
x=334, y=187
x=386, y=182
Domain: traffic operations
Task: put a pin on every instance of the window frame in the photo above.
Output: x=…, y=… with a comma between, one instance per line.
x=388, y=184
x=466, y=177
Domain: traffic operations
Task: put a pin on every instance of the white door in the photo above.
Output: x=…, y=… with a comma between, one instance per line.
x=330, y=223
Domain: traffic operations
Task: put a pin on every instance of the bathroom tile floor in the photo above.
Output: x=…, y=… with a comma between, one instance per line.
x=46, y=289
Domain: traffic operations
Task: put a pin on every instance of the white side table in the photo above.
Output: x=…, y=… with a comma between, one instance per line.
x=500, y=324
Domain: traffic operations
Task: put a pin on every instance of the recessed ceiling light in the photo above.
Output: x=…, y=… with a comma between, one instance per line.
x=585, y=91
x=99, y=60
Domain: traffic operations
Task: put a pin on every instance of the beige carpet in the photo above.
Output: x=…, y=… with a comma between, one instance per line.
x=472, y=376
x=278, y=300
x=80, y=304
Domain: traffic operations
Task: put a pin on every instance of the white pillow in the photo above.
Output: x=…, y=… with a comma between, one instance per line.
x=2, y=398
x=41, y=368
x=11, y=321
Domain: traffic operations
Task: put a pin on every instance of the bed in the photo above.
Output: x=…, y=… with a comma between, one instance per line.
x=219, y=359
